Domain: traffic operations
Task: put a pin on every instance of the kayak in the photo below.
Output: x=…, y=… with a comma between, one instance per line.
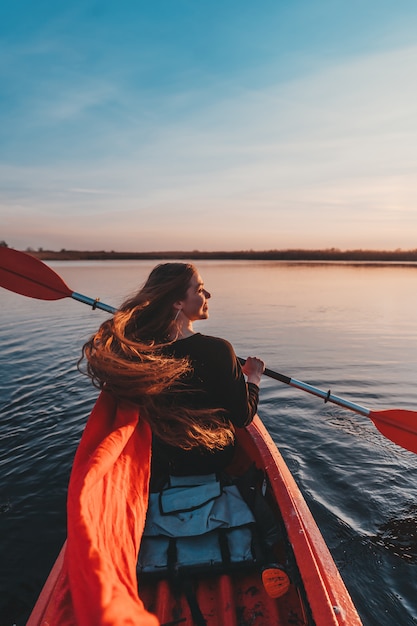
x=301, y=586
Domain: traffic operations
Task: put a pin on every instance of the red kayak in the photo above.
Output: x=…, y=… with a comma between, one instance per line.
x=310, y=588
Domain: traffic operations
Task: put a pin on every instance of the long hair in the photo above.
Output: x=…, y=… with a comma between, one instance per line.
x=126, y=357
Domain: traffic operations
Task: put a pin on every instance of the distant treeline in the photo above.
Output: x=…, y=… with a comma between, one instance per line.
x=331, y=254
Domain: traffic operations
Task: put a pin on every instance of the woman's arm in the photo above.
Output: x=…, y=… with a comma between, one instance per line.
x=239, y=398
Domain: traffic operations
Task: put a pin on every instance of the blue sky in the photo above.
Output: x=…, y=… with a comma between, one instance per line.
x=188, y=124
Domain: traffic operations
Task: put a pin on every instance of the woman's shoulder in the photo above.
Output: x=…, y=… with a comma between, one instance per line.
x=211, y=340
x=216, y=345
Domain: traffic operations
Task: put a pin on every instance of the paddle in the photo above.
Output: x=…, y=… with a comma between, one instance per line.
x=28, y=276
x=399, y=425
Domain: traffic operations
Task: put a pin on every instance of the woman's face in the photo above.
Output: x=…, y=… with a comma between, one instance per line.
x=195, y=305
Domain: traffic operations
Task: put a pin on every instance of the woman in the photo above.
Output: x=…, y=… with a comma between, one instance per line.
x=189, y=387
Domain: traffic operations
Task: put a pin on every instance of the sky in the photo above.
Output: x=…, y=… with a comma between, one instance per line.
x=135, y=125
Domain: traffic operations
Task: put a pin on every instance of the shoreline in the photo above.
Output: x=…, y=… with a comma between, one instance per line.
x=392, y=256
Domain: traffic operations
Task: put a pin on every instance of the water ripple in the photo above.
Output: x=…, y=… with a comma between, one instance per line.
x=318, y=325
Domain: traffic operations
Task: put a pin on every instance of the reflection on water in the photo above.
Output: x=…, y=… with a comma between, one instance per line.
x=398, y=535
x=348, y=328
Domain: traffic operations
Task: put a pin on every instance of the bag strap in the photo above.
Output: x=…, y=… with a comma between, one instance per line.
x=191, y=597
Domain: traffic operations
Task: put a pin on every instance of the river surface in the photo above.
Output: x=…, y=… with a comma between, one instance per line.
x=351, y=328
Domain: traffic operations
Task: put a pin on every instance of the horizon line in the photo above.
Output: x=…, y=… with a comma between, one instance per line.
x=306, y=254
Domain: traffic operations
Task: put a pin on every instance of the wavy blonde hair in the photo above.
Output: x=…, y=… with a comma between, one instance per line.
x=126, y=357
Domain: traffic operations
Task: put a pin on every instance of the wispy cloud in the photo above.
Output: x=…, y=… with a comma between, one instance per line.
x=285, y=164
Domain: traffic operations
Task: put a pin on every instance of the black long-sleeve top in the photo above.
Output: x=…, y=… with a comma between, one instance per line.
x=216, y=381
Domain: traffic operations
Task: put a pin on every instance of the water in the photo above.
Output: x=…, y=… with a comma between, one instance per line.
x=351, y=328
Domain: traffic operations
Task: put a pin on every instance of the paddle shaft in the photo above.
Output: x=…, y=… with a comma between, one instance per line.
x=94, y=303
x=326, y=395
x=315, y=391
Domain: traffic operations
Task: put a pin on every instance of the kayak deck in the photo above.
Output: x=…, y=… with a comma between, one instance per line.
x=316, y=596
x=238, y=600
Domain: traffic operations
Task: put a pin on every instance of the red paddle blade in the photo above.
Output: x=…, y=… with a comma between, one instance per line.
x=399, y=425
x=24, y=274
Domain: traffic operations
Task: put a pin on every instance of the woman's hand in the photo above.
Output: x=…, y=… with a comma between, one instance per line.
x=253, y=369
